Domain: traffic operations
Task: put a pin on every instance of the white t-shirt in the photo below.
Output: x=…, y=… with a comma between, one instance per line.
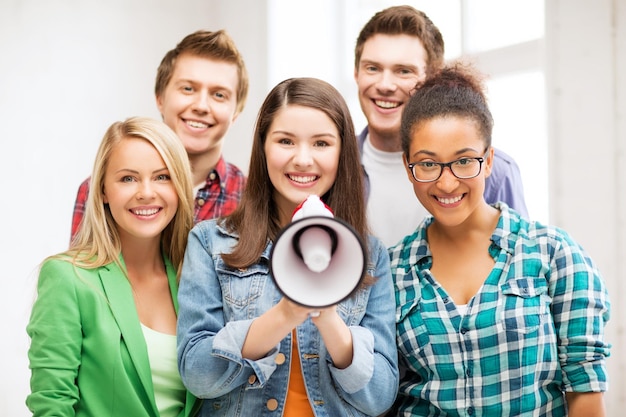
x=462, y=309
x=393, y=210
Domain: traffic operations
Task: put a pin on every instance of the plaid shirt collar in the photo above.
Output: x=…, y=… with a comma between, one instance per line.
x=219, y=174
x=503, y=237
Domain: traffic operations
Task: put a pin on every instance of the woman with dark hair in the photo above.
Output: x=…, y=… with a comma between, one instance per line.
x=245, y=348
x=497, y=316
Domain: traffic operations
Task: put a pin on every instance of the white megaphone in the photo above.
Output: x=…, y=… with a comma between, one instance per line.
x=317, y=260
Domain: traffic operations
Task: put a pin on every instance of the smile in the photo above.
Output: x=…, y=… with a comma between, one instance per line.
x=303, y=180
x=449, y=200
x=197, y=125
x=145, y=212
x=386, y=104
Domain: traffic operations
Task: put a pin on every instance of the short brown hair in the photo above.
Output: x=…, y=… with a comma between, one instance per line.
x=404, y=20
x=213, y=45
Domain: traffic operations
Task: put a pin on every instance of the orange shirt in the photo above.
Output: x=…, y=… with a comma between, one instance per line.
x=297, y=403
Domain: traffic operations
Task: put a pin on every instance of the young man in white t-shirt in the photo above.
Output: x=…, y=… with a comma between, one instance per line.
x=398, y=48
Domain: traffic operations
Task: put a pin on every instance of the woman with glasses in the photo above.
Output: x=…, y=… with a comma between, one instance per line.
x=496, y=316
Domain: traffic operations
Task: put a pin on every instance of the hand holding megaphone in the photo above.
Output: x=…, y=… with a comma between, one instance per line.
x=317, y=260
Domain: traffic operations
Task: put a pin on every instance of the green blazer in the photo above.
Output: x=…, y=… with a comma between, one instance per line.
x=88, y=356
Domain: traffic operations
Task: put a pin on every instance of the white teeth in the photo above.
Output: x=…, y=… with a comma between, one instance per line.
x=146, y=212
x=450, y=200
x=302, y=180
x=386, y=104
x=199, y=125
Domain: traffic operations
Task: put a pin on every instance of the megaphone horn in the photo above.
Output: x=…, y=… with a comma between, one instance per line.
x=316, y=245
x=317, y=260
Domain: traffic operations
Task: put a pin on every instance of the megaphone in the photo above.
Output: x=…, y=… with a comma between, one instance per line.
x=317, y=260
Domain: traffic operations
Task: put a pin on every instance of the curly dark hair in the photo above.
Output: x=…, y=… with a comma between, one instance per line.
x=455, y=90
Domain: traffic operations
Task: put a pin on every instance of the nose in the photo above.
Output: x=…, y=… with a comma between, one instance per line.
x=447, y=182
x=303, y=156
x=201, y=102
x=386, y=82
x=145, y=191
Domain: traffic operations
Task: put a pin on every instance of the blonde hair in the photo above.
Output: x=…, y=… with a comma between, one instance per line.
x=97, y=242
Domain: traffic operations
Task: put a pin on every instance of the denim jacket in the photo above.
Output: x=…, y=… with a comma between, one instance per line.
x=217, y=305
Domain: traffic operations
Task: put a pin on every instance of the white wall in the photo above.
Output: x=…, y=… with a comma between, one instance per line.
x=586, y=82
x=69, y=68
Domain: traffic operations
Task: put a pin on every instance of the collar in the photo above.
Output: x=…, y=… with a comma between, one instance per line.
x=361, y=138
x=504, y=236
x=222, y=230
x=218, y=173
x=508, y=229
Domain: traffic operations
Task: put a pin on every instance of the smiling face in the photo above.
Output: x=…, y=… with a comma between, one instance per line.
x=200, y=102
x=390, y=68
x=444, y=139
x=302, y=148
x=138, y=189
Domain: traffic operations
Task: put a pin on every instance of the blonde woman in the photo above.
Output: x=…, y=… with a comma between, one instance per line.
x=103, y=327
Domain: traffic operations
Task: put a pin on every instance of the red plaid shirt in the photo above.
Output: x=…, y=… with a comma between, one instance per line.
x=218, y=197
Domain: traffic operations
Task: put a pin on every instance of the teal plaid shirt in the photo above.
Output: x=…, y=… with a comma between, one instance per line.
x=534, y=330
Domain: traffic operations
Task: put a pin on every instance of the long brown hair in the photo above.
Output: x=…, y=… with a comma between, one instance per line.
x=256, y=217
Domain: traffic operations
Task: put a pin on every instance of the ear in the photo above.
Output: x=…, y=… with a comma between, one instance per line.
x=235, y=116
x=159, y=103
x=488, y=164
x=356, y=73
x=406, y=167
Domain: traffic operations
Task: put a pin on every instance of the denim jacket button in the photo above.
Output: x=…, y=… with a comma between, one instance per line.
x=251, y=379
x=280, y=359
x=271, y=404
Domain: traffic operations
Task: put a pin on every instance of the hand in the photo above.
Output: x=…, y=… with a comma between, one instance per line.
x=267, y=330
x=328, y=312
x=296, y=313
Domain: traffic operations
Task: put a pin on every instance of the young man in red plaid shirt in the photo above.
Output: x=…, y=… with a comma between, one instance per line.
x=201, y=87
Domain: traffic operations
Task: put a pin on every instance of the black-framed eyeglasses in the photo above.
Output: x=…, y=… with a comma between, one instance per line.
x=462, y=168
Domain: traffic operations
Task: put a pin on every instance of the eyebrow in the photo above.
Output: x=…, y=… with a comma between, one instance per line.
x=433, y=154
x=216, y=86
x=317, y=135
x=185, y=81
x=395, y=65
x=119, y=171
